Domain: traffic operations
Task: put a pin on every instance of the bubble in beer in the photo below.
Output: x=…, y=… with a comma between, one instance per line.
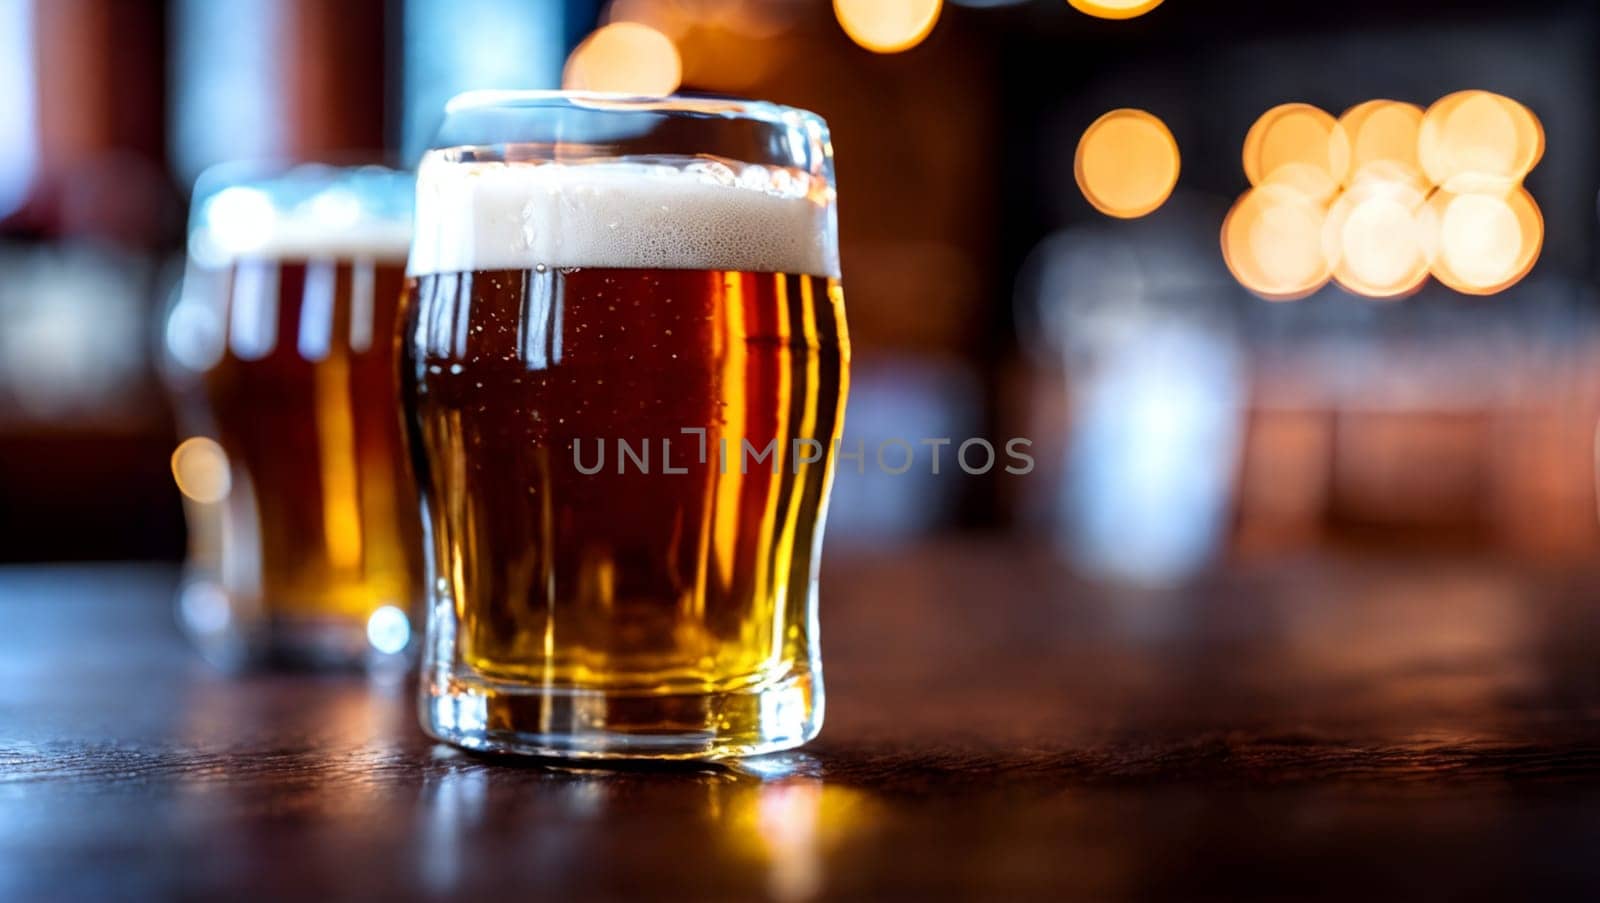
x=1127, y=163
x=624, y=58
x=200, y=468
x=887, y=26
x=1114, y=9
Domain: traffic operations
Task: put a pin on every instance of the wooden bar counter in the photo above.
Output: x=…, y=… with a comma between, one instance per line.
x=1326, y=727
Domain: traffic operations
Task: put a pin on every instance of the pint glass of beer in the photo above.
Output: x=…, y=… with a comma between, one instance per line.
x=281, y=350
x=624, y=372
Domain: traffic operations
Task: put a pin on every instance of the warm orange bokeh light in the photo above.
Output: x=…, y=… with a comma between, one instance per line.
x=1383, y=142
x=1475, y=140
x=887, y=26
x=1365, y=180
x=200, y=468
x=1272, y=243
x=1127, y=163
x=725, y=45
x=676, y=18
x=1486, y=241
x=1298, y=145
x=624, y=58
x=1376, y=239
x=1114, y=9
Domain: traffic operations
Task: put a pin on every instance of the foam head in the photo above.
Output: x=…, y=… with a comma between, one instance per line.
x=303, y=213
x=695, y=213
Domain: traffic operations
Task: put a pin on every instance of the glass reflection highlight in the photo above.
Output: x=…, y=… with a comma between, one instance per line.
x=764, y=828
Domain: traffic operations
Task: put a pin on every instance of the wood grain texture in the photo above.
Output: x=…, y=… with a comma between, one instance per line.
x=1316, y=728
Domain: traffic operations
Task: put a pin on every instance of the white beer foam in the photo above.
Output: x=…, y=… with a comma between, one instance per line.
x=703, y=215
x=243, y=222
x=381, y=242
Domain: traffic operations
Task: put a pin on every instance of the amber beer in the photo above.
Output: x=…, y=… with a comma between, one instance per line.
x=316, y=546
x=655, y=307
x=303, y=403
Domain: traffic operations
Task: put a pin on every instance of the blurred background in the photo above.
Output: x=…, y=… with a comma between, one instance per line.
x=1180, y=421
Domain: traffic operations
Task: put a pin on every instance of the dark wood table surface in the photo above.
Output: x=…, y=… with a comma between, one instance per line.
x=1324, y=727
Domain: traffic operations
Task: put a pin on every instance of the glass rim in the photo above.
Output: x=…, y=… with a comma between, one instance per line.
x=709, y=106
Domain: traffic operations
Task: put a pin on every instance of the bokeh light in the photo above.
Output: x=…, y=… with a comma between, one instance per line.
x=200, y=468
x=1398, y=193
x=1114, y=9
x=678, y=18
x=1486, y=241
x=724, y=45
x=1383, y=142
x=1272, y=243
x=1475, y=140
x=624, y=58
x=1127, y=163
x=1376, y=239
x=389, y=630
x=1298, y=145
x=887, y=26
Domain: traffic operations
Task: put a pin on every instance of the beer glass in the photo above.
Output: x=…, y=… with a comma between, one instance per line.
x=280, y=350
x=624, y=373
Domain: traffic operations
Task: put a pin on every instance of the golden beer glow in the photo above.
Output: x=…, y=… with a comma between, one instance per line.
x=1475, y=140
x=1114, y=9
x=887, y=26
x=1486, y=242
x=200, y=468
x=1127, y=163
x=323, y=515
x=336, y=434
x=706, y=582
x=1298, y=145
x=1272, y=243
x=792, y=826
x=624, y=58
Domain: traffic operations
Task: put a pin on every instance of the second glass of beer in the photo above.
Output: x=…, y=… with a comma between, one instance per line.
x=624, y=373
x=281, y=354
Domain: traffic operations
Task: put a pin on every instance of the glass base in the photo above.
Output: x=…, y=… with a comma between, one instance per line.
x=234, y=635
x=516, y=719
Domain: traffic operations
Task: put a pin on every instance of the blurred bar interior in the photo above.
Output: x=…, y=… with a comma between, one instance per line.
x=1178, y=420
